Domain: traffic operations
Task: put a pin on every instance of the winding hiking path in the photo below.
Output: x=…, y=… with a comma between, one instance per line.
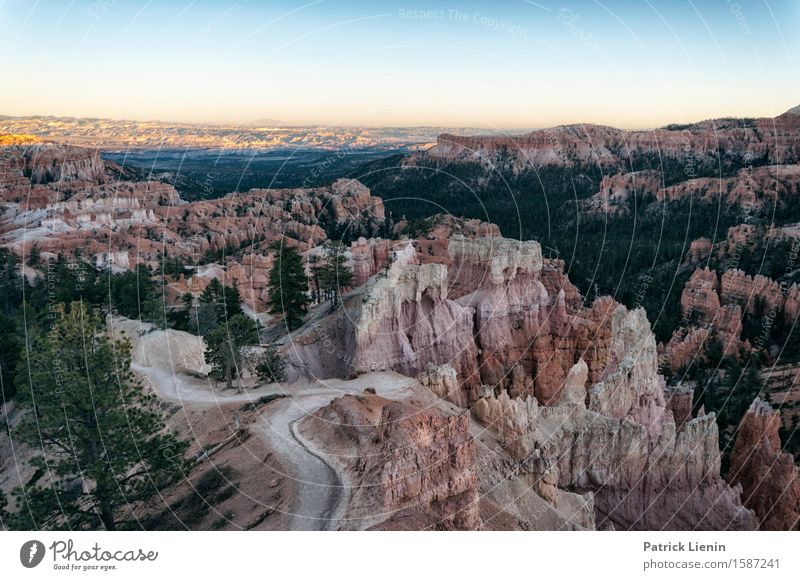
x=322, y=493
x=319, y=487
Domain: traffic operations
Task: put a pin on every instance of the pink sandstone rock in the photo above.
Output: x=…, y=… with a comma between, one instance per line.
x=399, y=457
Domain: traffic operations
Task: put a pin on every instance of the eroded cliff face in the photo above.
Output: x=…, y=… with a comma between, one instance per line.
x=623, y=447
x=399, y=320
x=769, y=478
x=571, y=393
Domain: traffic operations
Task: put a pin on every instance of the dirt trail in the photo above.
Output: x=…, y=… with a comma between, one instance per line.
x=321, y=496
x=319, y=488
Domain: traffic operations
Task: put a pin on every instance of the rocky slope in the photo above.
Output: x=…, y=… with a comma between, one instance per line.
x=716, y=304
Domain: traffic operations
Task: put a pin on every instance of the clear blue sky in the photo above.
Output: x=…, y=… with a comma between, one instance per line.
x=502, y=64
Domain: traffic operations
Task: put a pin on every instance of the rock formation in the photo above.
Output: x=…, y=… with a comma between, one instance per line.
x=617, y=189
x=400, y=320
x=769, y=478
x=572, y=393
x=642, y=471
x=714, y=305
x=751, y=188
x=400, y=457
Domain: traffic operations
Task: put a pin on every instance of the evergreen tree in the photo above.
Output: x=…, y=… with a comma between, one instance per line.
x=172, y=266
x=34, y=256
x=749, y=387
x=316, y=266
x=270, y=367
x=102, y=444
x=336, y=274
x=233, y=300
x=213, y=293
x=130, y=292
x=704, y=390
x=11, y=282
x=224, y=347
x=288, y=285
x=179, y=318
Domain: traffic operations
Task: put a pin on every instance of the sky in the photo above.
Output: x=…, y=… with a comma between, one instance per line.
x=495, y=65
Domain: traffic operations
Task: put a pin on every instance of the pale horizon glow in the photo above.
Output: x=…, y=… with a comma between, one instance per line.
x=494, y=66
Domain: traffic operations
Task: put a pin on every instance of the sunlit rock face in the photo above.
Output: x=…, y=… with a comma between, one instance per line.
x=399, y=320
x=572, y=393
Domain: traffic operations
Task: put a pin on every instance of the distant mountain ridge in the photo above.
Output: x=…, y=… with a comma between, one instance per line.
x=261, y=134
x=757, y=141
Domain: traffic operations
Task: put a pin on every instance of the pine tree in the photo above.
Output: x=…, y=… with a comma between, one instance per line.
x=10, y=344
x=270, y=367
x=224, y=347
x=336, y=274
x=315, y=265
x=131, y=291
x=34, y=256
x=217, y=304
x=102, y=443
x=288, y=285
x=714, y=350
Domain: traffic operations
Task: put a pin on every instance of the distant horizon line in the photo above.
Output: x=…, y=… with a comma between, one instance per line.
x=277, y=125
